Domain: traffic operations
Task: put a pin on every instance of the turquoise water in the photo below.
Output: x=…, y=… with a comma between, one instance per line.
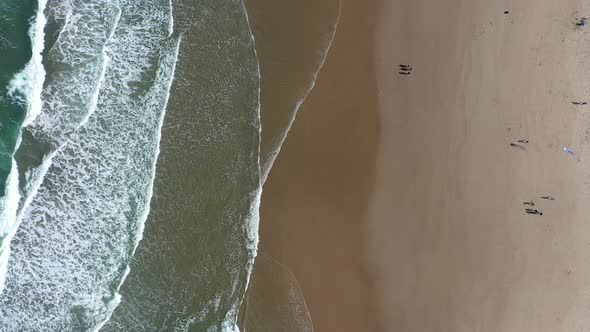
x=15, y=52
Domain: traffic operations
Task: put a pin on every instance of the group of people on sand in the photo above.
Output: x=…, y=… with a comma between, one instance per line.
x=530, y=210
x=535, y=211
x=405, y=69
x=518, y=146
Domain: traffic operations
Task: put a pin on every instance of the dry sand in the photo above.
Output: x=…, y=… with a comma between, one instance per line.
x=452, y=247
x=437, y=239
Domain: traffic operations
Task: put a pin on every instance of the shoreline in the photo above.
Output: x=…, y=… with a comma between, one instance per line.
x=313, y=220
x=290, y=55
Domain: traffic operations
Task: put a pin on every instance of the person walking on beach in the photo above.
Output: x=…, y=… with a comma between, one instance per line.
x=523, y=141
x=517, y=146
x=568, y=150
x=533, y=211
x=551, y=198
x=529, y=203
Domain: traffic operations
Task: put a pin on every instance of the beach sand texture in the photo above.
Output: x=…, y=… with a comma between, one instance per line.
x=453, y=249
x=397, y=201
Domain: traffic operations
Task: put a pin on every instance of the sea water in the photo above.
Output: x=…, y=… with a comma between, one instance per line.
x=86, y=157
x=191, y=269
x=130, y=164
x=20, y=103
x=16, y=51
x=99, y=128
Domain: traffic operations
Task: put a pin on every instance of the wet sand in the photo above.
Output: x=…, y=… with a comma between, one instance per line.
x=292, y=39
x=318, y=189
x=451, y=245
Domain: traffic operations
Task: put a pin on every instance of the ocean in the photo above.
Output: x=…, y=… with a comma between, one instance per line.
x=130, y=164
x=15, y=47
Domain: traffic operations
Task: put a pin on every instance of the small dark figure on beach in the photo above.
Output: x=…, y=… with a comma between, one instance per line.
x=579, y=102
x=533, y=211
x=405, y=69
x=524, y=141
x=551, y=198
x=517, y=146
x=529, y=203
x=581, y=22
x=506, y=12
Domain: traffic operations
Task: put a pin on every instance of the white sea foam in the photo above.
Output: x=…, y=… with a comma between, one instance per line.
x=28, y=83
x=166, y=73
x=71, y=252
x=253, y=218
x=8, y=206
x=25, y=86
x=82, y=55
x=34, y=179
x=252, y=229
x=31, y=87
x=171, y=22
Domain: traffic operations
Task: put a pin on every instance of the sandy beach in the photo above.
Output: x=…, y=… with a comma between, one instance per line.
x=397, y=201
x=450, y=242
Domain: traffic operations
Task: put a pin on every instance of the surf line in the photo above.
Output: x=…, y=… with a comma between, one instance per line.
x=29, y=83
x=165, y=77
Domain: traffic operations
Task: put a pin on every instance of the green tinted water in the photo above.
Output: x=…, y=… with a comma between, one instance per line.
x=15, y=52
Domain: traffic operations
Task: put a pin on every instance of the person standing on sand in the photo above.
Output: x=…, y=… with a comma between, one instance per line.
x=531, y=211
x=405, y=69
x=517, y=146
x=551, y=198
x=529, y=203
